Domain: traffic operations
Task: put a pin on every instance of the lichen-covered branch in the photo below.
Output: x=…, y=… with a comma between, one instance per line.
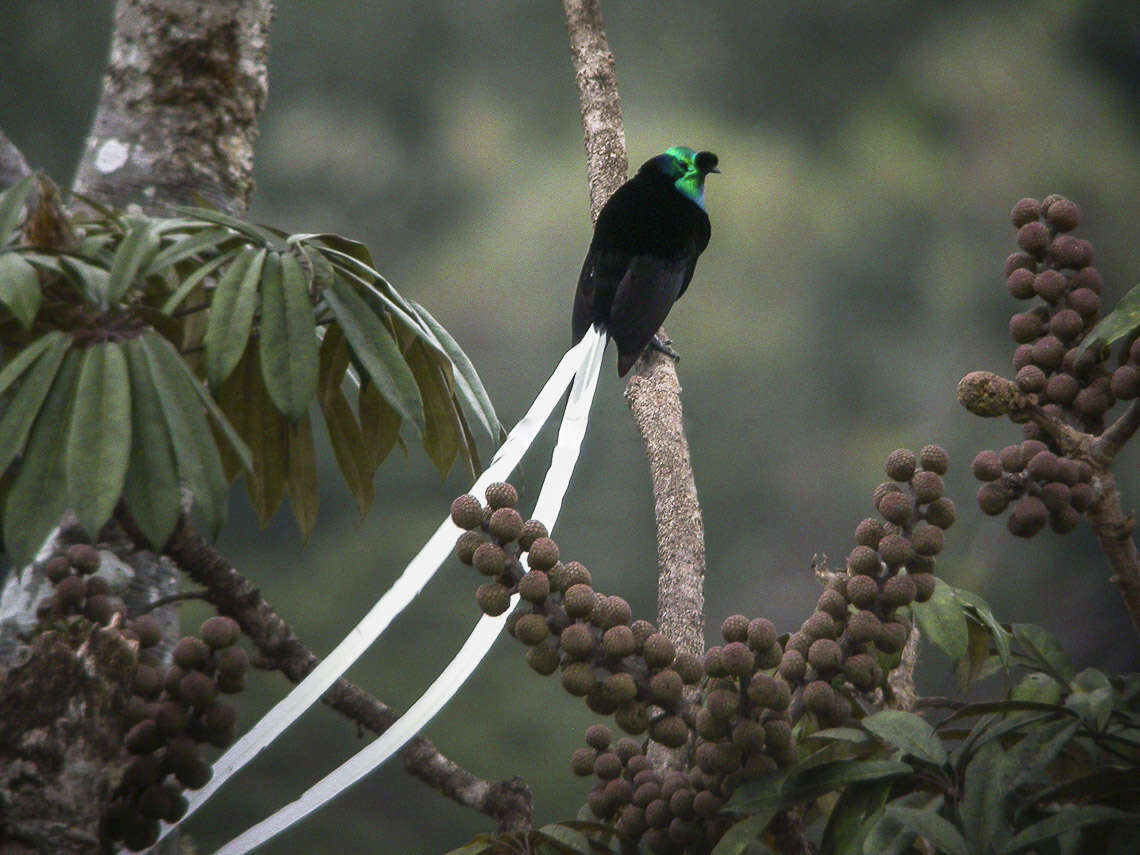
x=177, y=118
x=507, y=802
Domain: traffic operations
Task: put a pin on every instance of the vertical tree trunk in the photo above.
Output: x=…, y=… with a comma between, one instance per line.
x=175, y=125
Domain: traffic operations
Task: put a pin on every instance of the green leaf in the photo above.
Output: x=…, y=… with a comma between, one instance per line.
x=133, y=255
x=257, y=422
x=99, y=438
x=1044, y=651
x=469, y=386
x=19, y=288
x=441, y=433
x=983, y=793
x=1117, y=324
x=979, y=610
x=302, y=477
x=37, y=497
x=380, y=425
x=90, y=279
x=372, y=343
x=258, y=235
x=194, y=448
x=741, y=835
x=855, y=811
x=288, y=337
x=841, y=734
x=837, y=774
x=231, y=315
x=1094, y=707
x=907, y=732
x=888, y=836
x=559, y=838
x=931, y=826
x=152, y=488
x=185, y=246
x=35, y=367
x=942, y=621
x=191, y=282
x=1038, y=686
x=972, y=666
x=345, y=436
x=1066, y=819
x=12, y=206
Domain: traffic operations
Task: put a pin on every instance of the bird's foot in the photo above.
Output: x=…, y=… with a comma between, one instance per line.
x=664, y=345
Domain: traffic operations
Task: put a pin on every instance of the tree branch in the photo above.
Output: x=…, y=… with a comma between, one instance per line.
x=653, y=393
x=507, y=802
x=178, y=114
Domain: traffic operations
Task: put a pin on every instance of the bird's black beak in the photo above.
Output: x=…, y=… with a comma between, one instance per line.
x=715, y=169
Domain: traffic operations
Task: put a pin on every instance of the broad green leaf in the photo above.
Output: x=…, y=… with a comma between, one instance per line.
x=35, y=367
x=1118, y=323
x=99, y=439
x=259, y=235
x=837, y=774
x=1119, y=785
x=12, y=206
x=244, y=400
x=740, y=836
x=983, y=792
x=888, y=836
x=377, y=287
x=1094, y=707
x=1037, y=686
x=345, y=436
x=38, y=496
x=135, y=252
x=1044, y=650
x=379, y=424
x=185, y=246
x=852, y=816
x=907, y=732
x=231, y=315
x=469, y=386
x=979, y=610
x=19, y=288
x=302, y=477
x=192, y=281
x=931, y=826
x=972, y=666
x=377, y=351
x=481, y=845
x=219, y=420
x=941, y=621
x=194, y=448
x=152, y=488
x=1066, y=819
x=90, y=279
x=841, y=734
x=288, y=338
x=441, y=434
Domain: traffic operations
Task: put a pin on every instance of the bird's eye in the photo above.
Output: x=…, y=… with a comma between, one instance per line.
x=706, y=161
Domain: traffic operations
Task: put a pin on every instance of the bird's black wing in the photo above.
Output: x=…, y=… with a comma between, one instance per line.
x=602, y=271
x=643, y=298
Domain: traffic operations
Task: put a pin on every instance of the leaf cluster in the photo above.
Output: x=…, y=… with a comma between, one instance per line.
x=154, y=360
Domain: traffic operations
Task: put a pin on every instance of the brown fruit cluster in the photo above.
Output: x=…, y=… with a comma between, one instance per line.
x=1056, y=268
x=1042, y=487
x=77, y=588
x=174, y=712
x=672, y=811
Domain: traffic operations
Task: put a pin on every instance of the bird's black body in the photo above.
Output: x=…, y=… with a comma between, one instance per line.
x=645, y=247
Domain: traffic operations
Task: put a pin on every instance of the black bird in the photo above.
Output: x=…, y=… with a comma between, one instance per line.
x=645, y=247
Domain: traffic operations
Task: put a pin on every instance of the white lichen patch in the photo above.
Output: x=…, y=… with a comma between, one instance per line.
x=112, y=155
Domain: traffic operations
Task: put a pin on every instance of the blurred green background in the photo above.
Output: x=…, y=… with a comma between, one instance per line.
x=870, y=154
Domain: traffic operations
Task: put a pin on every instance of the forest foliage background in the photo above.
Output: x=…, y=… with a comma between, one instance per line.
x=870, y=155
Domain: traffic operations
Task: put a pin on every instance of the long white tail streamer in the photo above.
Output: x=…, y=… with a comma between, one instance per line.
x=478, y=644
x=415, y=576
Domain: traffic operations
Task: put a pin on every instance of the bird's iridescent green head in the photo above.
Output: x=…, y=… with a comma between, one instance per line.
x=688, y=169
